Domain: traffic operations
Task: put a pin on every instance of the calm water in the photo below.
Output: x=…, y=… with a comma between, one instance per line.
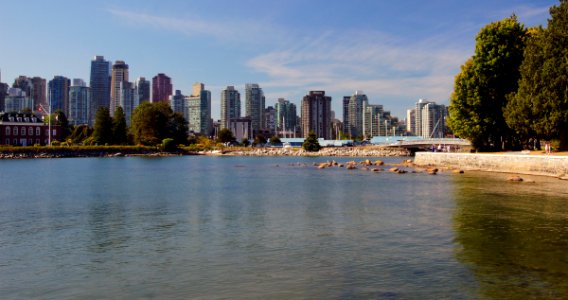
x=242, y=228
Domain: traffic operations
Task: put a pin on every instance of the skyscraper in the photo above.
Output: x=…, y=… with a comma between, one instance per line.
x=286, y=117
x=230, y=106
x=79, y=103
x=269, y=121
x=198, y=110
x=3, y=92
x=254, y=106
x=100, y=84
x=127, y=99
x=161, y=88
x=24, y=83
x=355, y=114
x=316, y=114
x=141, y=91
x=58, y=93
x=177, y=102
x=119, y=75
x=39, y=91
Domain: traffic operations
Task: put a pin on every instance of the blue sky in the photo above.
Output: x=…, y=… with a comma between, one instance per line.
x=394, y=51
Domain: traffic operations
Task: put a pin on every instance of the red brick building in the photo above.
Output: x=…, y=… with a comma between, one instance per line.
x=25, y=129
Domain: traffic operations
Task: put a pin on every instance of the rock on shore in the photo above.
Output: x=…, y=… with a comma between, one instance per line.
x=337, y=151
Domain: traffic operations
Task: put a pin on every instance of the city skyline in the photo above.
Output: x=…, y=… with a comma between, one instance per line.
x=396, y=53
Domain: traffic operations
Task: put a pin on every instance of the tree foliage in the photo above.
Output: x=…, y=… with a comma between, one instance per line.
x=540, y=107
x=275, y=140
x=153, y=122
x=311, y=143
x=481, y=88
x=102, y=133
x=259, y=139
x=119, y=128
x=61, y=120
x=225, y=136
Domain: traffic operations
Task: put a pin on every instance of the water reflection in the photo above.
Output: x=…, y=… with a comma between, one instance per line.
x=513, y=238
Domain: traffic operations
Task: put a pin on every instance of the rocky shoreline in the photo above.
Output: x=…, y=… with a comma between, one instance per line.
x=332, y=151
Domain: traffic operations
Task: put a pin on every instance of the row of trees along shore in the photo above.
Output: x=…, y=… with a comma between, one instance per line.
x=513, y=92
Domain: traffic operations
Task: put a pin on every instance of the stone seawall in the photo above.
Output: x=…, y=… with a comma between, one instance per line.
x=544, y=165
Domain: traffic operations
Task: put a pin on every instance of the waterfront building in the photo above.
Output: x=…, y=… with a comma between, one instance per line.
x=254, y=106
x=118, y=76
x=355, y=114
x=241, y=128
x=25, y=129
x=373, y=121
x=162, y=88
x=141, y=91
x=16, y=100
x=39, y=88
x=177, y=102
x=269, y=121
x=100, y=85
x=127, y=100
x=230, y=106
x=198, y=110
x=316, y=114
x=24, y=83
x=286, y=117
x=411, y=121
x=58, y=93
x=429, y=119
x=79, y=103
x=3, y=94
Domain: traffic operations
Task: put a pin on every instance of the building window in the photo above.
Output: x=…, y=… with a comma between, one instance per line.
x=38, y=131
x=7, y=141
x=23, y=130
x=8, y=131
x=30, y=130
x=15, y=130
x=47, y=132
x=15, y=142
x=37, y=142
x=54, y=132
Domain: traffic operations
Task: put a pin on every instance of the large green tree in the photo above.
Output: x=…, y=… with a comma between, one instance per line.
x=102, y=133
x=311, y=143
x=540, y=107
x=481, y=88
x=119, y=127
x=225, y=135
x=153, y=122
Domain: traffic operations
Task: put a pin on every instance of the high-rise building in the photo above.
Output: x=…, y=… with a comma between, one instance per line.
x=177, y=102
x=411, y=121
x=141, y=91
x=127, y=99
x=58, y=93
x=230, y=106
x=161, y=88
x=286, y=118
x=316, y=114
x=355, y=113
x=39, y=91
x=24, y=83
x=17, y=101
x=79, y=103
x=373, y=120
x=198, y=110
x=100, y=85
x=3, y=94
x=270, y=121
x=433, y=120
x=119, y=75
x=254, y=106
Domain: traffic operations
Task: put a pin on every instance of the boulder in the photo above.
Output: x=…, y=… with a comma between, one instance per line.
x=515, y=179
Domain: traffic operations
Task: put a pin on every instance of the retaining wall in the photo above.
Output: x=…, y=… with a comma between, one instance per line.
x=547, y=165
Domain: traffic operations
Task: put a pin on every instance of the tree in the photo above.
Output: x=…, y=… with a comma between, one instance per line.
x=61, y=120
x=153, y=122
x=245, y=142
x=259, y=139
x=311, y=143
x=481, y=88
x=225, y=136
x=119, y=128
x=540, y=107
x=102, y=133
x=275, y=140
x=80, y=133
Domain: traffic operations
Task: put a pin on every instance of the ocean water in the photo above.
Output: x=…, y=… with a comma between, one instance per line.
x=274, y=228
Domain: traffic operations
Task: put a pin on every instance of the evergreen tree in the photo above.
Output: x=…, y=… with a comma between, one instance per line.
x=153, y=122
x=225, y=135
x=540, y=107
x=311, y=143
x=119, y=128
x=102, y=133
